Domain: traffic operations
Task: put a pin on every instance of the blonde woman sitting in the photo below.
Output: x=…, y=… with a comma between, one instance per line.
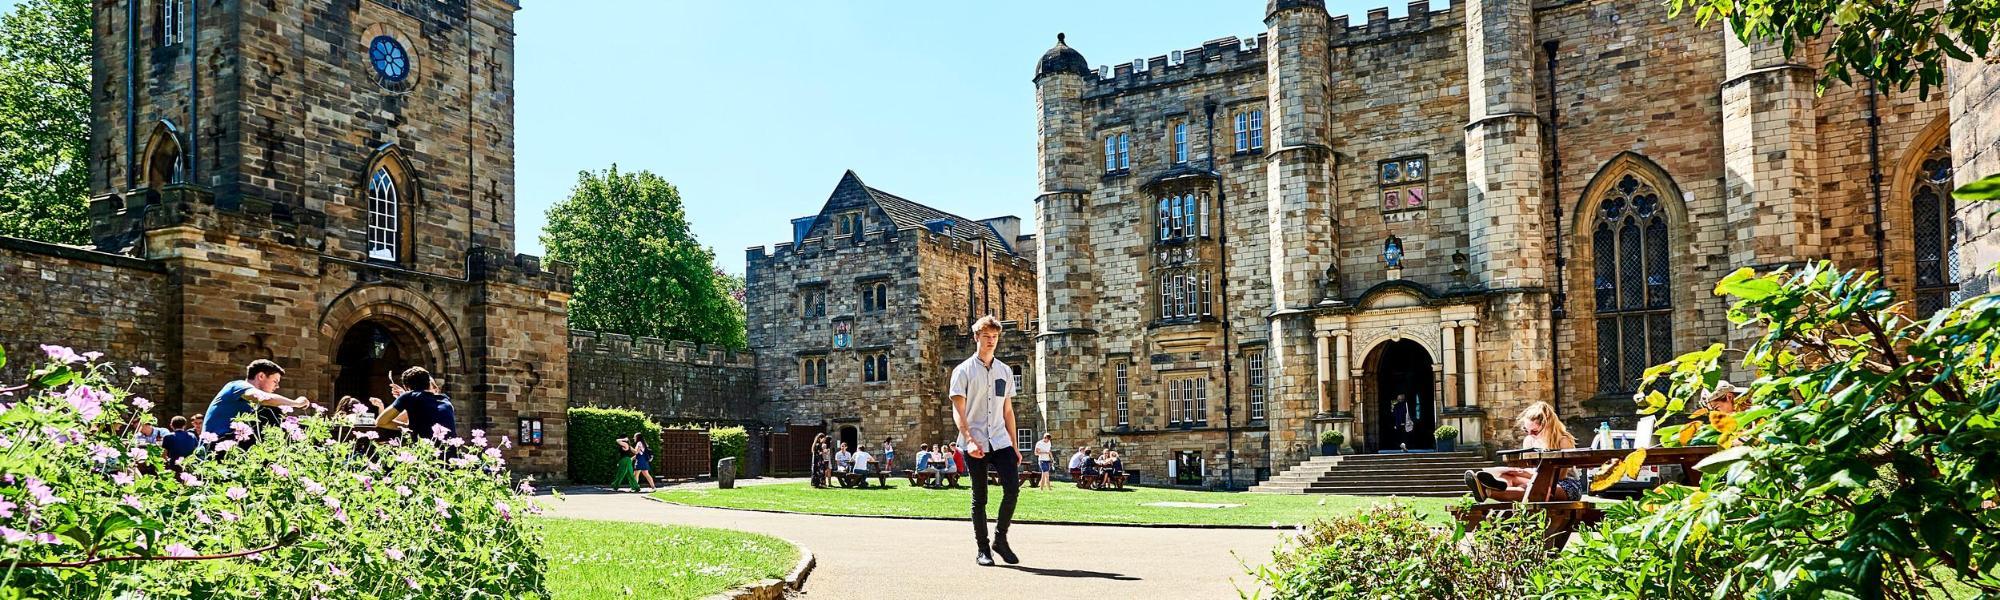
x=1541, y=430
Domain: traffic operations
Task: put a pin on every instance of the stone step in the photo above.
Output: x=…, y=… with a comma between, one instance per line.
x=1395, y=457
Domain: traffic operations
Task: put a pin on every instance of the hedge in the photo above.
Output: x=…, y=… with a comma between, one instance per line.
x=593, y=441
x=730, y=441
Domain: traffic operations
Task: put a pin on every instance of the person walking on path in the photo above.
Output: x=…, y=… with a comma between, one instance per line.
x=258, y=387
x=982, y=390
x=625, y=460
x=1045, y=458
x=642, y=463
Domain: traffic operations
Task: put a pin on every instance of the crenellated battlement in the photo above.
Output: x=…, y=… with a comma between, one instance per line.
x=1378, y=26
x=618, y=345
x=1211, y=57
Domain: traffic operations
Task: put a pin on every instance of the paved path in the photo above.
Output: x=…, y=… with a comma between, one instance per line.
x=889, y=559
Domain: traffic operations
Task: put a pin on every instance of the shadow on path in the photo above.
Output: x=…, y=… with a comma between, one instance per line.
x=1070, y=573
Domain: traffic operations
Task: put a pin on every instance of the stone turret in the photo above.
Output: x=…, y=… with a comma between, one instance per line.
x=1066, y=290
x=1300, y=196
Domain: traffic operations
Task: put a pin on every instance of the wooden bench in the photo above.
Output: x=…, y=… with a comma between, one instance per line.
x=850, y=479
x=1563, y=517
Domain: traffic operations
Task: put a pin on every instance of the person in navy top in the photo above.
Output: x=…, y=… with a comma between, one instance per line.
x=179, y=444
x=422, y=398
x=258, y=387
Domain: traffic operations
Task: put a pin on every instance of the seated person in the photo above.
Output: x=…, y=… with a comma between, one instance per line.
x=941, y=462
x=181, y=443
x=843, y=461
x=1076, y=462
x=1542, y=430
x=1114, y=466
x=862, y=461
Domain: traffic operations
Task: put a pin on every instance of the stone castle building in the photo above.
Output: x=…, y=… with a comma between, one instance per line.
x=1256, y=239
x=857, y=322
x=326, y=184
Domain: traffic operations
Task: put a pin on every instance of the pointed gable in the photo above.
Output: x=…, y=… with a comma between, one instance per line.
x=851, y=194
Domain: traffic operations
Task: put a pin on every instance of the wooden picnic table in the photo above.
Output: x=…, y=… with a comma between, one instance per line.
x=1550, y=464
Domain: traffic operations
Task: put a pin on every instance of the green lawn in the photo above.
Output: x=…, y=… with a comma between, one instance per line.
x=1063, y=503
x=605, y=559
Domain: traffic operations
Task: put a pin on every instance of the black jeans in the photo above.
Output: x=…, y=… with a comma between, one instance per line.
x=1008, y=462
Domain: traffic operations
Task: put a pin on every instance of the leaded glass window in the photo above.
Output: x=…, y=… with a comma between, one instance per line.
x=383, y=228
x=1632, y=285
x=1257, y=384
x=1185, y=294
x=1934, y=219
x=1180, y=143
x=1117, y=152
x=1123, y=390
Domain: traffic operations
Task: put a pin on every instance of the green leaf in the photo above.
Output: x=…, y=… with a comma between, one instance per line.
x=1723, y=458
x=3, y=356
x=55, y=377
x=1745, y=284
x=1987, y=188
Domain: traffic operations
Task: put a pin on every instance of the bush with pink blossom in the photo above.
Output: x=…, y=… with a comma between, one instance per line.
x=300, y=511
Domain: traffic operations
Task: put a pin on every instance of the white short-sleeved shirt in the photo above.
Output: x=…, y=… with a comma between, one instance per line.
x=987, y=390
x=1044, y=451
x=1076, y=460
x=861, y=459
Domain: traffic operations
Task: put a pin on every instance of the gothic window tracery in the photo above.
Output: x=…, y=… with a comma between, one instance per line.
x=1632, y=284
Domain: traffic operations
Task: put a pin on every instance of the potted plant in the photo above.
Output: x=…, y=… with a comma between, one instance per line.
x=1330, y=442
x=1447, y=438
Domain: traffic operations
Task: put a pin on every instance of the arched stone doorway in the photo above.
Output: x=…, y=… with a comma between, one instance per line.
x=1402, y=380
x=373, y=353
x=851, y=436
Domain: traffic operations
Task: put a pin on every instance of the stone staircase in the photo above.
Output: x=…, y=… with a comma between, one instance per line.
x=1432, y=474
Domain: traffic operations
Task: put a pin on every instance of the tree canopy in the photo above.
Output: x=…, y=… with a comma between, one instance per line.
x=45, y=120
x=1893, y=42
x=639, y=269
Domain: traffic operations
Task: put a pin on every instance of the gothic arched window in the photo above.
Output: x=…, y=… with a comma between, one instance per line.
x=1935, y=224
x=384, y=208
x=1632, y=284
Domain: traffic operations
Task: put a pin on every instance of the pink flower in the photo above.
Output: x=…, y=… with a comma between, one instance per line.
x=138, y=371
x=367, y=483
x=506, y=442
x=102, y=453
x=7, y=509
x=412, y=581
x=208, y=438
x=493, y=453
x=179, y=550
x=88, y=402
x=202, y=518
x=313, y=487
x=142, y=404
x=225, y=446
x=138, y=454
x=41, y=492
x=332, y=501
x=454, y=442
x=93, y=355
x=281, y=471
x=242, y=430
x=336, y=571
x=402, y=490
x=527, y=487
x=506, y=512
x=14, y=536
x=438, y=431
x=340, y=514
x=230, y=516
x=61, y=353
x=443, y=508
x=237, y=494
x=394, y=554
x=190, y=480
x=133, y=501
x=121, y=478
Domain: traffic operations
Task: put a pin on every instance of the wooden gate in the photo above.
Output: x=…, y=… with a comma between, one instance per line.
x=683, y=454
x=789, y=453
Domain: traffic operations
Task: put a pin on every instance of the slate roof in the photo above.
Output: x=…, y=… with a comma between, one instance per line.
x=908, y=213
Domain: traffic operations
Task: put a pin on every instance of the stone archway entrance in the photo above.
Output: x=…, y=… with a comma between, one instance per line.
x=851, y=436
x=1402, y=377
x=373, y=353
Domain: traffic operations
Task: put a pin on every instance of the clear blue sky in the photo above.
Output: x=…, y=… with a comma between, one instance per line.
x=755, y=108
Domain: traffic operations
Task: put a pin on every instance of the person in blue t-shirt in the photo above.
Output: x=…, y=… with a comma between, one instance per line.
x=422, y=398
x=258, y=387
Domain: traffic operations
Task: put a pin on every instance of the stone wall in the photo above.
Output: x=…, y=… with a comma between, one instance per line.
x=671, y=381
x=92, y=301
x=1975, y=140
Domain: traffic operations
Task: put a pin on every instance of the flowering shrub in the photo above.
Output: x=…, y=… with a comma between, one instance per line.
x=1387, y=551
x=1864, y=461
x=304, y=512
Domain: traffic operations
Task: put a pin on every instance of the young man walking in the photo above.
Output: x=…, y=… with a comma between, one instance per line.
x=982, y=393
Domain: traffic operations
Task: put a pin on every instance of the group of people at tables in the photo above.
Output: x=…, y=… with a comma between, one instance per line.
x=1096, y=472
x=1542, y=429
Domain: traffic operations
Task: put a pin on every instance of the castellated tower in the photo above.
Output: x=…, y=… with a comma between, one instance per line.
x=1303, y=232
x=1066, y=294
